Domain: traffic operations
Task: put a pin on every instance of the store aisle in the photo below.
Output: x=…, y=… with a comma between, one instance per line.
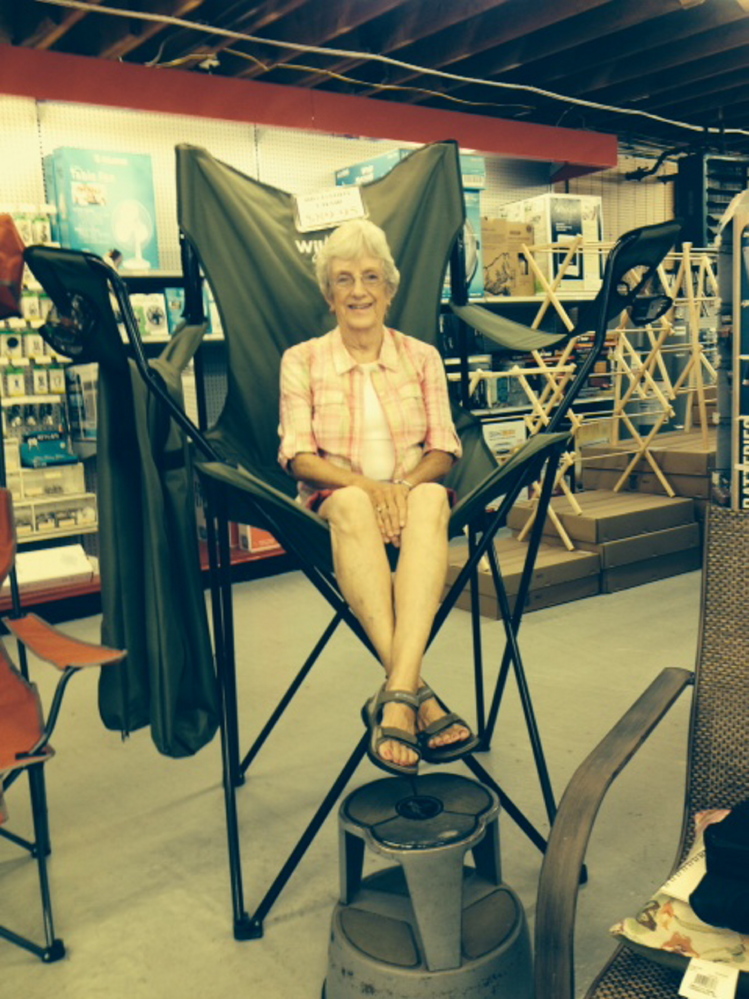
x=139, y=868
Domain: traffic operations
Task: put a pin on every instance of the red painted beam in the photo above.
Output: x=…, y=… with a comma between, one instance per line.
x=80, y=79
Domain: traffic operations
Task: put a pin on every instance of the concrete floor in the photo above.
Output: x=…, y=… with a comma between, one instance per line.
x=139, y=869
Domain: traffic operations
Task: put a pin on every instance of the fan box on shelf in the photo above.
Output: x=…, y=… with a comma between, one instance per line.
x=104, y=200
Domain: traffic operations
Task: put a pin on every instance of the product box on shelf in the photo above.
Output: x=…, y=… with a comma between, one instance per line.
x=473, y=247
x=81, y=384
x=558, y=219
x=104, y=200
x=51, y=567
x=506, y=267
x=472, y=169
x=150, y=313
x=175, y=307
x=254, y=539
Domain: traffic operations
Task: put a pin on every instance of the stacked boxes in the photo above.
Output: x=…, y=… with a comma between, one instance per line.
x=559, y=218
x=682, y=457
x=559, y=576
x=473, y=174
x=636, y=537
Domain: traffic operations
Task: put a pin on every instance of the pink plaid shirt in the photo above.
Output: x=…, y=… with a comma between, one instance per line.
x=322, y=396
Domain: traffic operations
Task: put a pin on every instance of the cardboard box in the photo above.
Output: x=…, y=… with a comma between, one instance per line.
x=608, y=516
x=637, y=573
x=52, y=567
x=253, y=539
x=104, y=200
x=558, y=575
x=644, y=547
x=675, y=453
x=506, y=267
x=692, y=486
x=559, y=218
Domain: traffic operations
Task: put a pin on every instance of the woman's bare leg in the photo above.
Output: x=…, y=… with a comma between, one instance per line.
x=419, y=582
x=363, y=573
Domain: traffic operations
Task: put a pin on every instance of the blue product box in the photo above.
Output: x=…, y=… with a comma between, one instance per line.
x=473, y=247
x=175, y=307
x=104, y=200
x=472, y=169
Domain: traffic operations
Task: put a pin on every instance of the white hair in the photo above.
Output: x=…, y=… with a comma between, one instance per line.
x=356, y=238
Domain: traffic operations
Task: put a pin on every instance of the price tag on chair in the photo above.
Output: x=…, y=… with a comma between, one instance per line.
x=709, y=980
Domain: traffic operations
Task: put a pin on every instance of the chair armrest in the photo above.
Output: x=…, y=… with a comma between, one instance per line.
x=568, y=841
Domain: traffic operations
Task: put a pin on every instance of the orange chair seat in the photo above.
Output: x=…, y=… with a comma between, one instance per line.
x=54, y=647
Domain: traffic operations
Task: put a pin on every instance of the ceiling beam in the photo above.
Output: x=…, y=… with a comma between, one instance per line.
x=49, y=31
x=124, y=41
x=319, y=25
x=527, y=59
x=627, y=78
x=636, y=42
x=407, y=25
x=187, y=45
x=512, y=20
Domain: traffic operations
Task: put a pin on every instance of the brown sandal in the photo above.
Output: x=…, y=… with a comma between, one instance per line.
x=372, y=716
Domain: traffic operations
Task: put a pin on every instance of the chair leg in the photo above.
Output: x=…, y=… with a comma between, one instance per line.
x=55, y=948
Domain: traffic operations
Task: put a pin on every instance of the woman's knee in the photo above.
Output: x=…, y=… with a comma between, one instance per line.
x=429, y=502
x=348, y=508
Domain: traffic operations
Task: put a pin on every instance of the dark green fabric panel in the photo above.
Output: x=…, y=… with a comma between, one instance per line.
x=261, y=271
x=152, y=597
x=532, y=454
x=299, y=530
x=508, y=334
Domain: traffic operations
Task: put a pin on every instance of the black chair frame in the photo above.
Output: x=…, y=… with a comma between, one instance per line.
x=519, y=472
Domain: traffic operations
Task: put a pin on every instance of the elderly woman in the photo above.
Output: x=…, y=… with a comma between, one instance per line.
x=366, y=430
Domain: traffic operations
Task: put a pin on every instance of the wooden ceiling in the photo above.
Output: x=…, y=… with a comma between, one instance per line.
x=561, y=62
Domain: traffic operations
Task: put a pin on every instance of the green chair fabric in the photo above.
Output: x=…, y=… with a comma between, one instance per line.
x=152, y=594
x=151, y=587
x=261, y=271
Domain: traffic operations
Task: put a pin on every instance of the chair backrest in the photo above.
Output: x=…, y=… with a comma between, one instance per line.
x=260, y=267
x=630, y=268
x=718, y=761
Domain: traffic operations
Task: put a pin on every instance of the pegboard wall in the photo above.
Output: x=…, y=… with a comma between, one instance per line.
x=291, y=159
x=21, y=180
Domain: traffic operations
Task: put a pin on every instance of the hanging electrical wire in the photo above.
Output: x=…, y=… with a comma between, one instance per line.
x=704, y=130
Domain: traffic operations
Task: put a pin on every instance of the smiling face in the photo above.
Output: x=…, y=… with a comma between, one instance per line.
x=360, y=295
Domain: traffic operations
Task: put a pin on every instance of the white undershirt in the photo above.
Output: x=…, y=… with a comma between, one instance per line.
x=378, y=449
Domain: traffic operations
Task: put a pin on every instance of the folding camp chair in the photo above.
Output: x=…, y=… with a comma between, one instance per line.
x=24, y=732
x=244, y=236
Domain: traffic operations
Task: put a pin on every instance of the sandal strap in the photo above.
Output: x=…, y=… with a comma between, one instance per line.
x=388, y=734
x=447, y=721
x=399, y=696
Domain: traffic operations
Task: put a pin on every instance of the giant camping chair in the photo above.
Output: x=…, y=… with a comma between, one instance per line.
x=244, y=236
x=25, y=733
x=717, y=776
